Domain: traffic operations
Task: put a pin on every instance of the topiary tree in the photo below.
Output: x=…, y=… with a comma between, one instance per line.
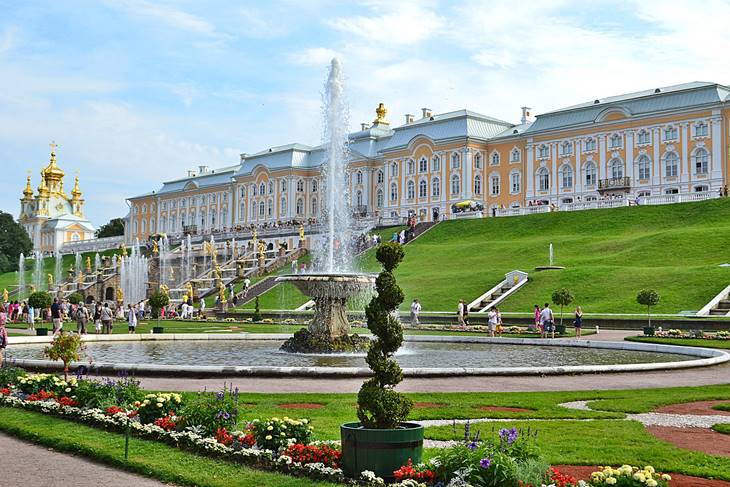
x=378, y=404
x=648, y=298
x=256, y=311
x=75, y=298
x=562, y=297
x=65, y=347
x=158, y=301
x=40, y=300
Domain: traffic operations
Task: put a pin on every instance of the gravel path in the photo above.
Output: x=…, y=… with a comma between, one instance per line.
x=662, y=419
x=31, y=465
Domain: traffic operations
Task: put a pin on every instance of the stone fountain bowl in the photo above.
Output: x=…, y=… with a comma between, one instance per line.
x=330, y=285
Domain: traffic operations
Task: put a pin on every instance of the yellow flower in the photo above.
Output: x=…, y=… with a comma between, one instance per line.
x=269, y=428
x=649, y=469
x=268, y=437
x=651, y=483
x=610, y=481
x=666, y=477
x=640, y=477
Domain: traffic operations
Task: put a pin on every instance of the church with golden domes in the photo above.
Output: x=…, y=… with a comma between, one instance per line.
x=50, y=216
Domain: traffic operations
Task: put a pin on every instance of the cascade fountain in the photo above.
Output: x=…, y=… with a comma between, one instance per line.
x=38, y=270
x=114, y=264
x=57, y=269
x=133, y=276
x=78, y=267
x=21, y=275
x=97, y=262
x=334, y=282
x=551, y=254
x=164, y=254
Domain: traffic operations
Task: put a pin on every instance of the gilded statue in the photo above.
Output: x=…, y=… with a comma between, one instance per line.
x=124, y=250
x=155, y=248
x=222, y=293
x=120, y=295
x=301, y=232
x=88, y=264
x=6, y=296
x=50, y=280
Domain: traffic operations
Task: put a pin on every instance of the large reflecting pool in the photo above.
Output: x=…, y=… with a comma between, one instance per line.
x=411, y=355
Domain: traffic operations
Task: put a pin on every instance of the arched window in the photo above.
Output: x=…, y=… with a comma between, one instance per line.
x=173, y=223
x=615, y=141
x=590, y=172
x=477, y=184
x=411, y=167
x=423, y=189
x=152, y=225
x=163, y=224
x=253, y=211
x=455, y=160
x=701, y=161
x=671, y=164
x=495, y=159
x=380, y=177
x=271, y=187
x=515, y=182
x=262, y=209
x=393, y=192
x=315, y=208
x=543, y=151
x=315, y=186
x=75, y=237
x=270, y=208
x=435, y=187
x=590, y=144
x=212, y=218
x=379, y=198
x=144, y=226
x=300, y=206
x=262, y=189
x=358, y=177
x=543, y=179
x=282, y=186
x=643, y=137
x=616, y=166
x=566, y=176
x=182, y=217
x=202, y=220
x=358, y=198
x=436, y=163
x=300, y=186
x=224, y=216
x=455, y=185
x=515, y=156
x=242, y=211
x=494, y=185
x=393, y=169
x=410, y=190
x=478, y=160
x=253, y=190
x=566, y=148
x=422, y=165
x=136, y=227
x=644, y=165
x=701, y=129
x=242, y=191
x=282, y=207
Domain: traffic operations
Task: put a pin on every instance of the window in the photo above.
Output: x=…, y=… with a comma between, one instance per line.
x=315, y=185
x=514, y=156
x=423, y=165
x=283, y=186
x=314, y=206
x=671, y=191
x=163, y=224
x=617, y=168
x=671, y=133
x=358, y=177
x=261, y=209
x=701, y=189
x=393, y=192
x=455, y=185
x=300, y=207
x=213, y=198
x=494, y=186
x=173, y=224
x=358, y=198
x=380, y=177
x=271, y=187
x=495, y=159
x=423, y=189
x=242, y=211
x=478, y=160
x=590, y=144
x=242, y=192
x=144, y=208
x=515, y=182
x=393, y=169
x=379, y=198
x=144, y=226
x=436, y=163
x=566, y=148
x=701, y=161
x=164, y=205
x=543, y=152
x=455, y=161
x=262, y=189
x=282, y=206
x=543, y=179
x=182, y=217
x=435, y=187
x=300, y=186
x=643, y=137
x=212, y=218
x=671, y=165
x=701, y=130
x=410, y=190
x=590, y=174
x=566, y=177
x=644, y=165
x=615, y=141
x=477, y=184
x=411, y=167
x=253, y=211
x=253, y=190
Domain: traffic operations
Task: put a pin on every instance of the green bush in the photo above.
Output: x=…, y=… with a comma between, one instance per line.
x=75, y=298
x=158, y=405
x=275, y=434
x=256, y=311
x=648, y=298
x=34, y=383
x=378, y=404
x=158, y=301
x=65, y=347
x=562, y=297
x=211, y=411
x=40, y=300
x=103, y=394
x=10, y=375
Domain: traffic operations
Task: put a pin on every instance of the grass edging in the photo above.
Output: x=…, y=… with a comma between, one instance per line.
x=722, y=428
x=683, y=342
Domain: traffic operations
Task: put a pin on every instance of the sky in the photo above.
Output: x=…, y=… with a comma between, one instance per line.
x=136, y=92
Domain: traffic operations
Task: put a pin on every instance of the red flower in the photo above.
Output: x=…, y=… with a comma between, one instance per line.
x=5, y=391
x=419, y=472
x=248, y=440
x=304, y=454
x=111, y=411
x=560, y=479
x=66, y=401
x=223, y=437
x=167, y=423
x=41, y=396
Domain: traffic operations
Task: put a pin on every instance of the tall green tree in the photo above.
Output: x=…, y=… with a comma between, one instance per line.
x=114, y=228
x=648, y=298
x=13, y=241
x=562, y=297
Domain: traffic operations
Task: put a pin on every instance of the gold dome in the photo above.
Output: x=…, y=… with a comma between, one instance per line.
x=28, y=191
x=52, y=172
x=43, y=187
x=76, y=191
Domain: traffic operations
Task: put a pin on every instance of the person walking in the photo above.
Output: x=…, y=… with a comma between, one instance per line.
x=537, y=318
x=82, y=318
x=460, y=312
x=547, y=321
x=56, y=316
x=132, y=320
x=415, y=311
x=578, y=322
x=3, y=334
x=97, y=318
x=107, y=319
x=246, y=286
x=492, y=322
x=29, y=316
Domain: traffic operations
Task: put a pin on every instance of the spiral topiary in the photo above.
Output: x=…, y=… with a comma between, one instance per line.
x=379, y=406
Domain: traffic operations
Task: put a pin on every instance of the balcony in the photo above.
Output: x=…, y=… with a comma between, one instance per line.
x=614, y=183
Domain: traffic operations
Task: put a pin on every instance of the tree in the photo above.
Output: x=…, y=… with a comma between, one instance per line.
x=562, y=297
x=14, y=240
x=158, y=301
x=256, y=311
x=648, y=298
x=40, y=300
x=378, y=404
x=75, y=298
x=65, y=347
x=114, y=228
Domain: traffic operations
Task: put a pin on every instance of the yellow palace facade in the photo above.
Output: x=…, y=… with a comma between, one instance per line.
x=663, y=141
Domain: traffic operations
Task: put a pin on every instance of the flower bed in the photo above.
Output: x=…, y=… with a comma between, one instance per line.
x=691, y=334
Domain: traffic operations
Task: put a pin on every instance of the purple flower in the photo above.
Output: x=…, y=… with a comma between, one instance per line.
x=510, y=435
x=485, y=463
x=472, y=445
x=467, y=431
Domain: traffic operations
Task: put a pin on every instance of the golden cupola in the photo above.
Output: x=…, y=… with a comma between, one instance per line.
x=43, y=187
x=28, y=191
x=53, y=174
x=76, y=191
x=381, y=111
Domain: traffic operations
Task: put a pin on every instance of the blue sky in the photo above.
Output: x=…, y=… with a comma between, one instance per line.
x=138, y=91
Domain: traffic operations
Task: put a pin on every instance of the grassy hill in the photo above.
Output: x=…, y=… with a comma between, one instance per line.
x=609, y=255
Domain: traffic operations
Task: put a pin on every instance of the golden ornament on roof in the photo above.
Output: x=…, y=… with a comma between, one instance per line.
x=381, y=111
x=28, y=191
x=52, y=172
x=76, y=191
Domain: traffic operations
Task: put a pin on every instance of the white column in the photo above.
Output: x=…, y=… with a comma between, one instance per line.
x=602, y=174
x=655, y=177
x=629, y=146
x=578, y=184
x=291, y=197
x=467, y=171
x=530, y=173
x=716, y=156
x=403, y=168
x=684, y=155
x=554, y=190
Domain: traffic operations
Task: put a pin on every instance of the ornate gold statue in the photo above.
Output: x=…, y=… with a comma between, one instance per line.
x=124, y=250
x=6, y=296
x=155, y=248
x=222, y=293
x=301, y=232
x=189, y=288
x=88, y=264
x=50, y=280
x=81, y=277
x=262, y=250
x=165, y=290
x=381, y=111
x=120, y=295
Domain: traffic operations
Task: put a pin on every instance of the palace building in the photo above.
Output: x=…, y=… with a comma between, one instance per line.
x=50, y=216
x=663, y=141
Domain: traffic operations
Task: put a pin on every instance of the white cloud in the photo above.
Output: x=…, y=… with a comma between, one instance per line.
x=168, y=14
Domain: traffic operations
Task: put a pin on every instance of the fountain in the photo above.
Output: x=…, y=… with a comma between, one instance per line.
x=133, y=276
x=97, y=263
x=21, y=275
x=57, y=269
x=551, y=261
x=38, y=270
x=335, y=280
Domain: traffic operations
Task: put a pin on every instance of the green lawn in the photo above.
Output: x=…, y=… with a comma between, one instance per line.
x=685, y=342
x=722, y=428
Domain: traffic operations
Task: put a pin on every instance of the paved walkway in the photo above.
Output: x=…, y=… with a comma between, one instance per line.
x=31, y=465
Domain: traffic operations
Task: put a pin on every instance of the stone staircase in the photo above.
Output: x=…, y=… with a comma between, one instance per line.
x=512, y=282
x=718, y=306
x=257, y=289
x=722, y=308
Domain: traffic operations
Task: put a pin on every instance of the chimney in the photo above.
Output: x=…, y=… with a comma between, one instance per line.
x=191, y=173
x=426, y=112
x=364, y=126
x=409, y=118
x=203, y=169
x=526, y=117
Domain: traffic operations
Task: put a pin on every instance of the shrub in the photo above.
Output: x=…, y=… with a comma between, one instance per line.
x=648, y=298
x=65, y=347
x=256, y=311
x=75, y=298
x=40, y=300
x=378, y=404
x=158, y=301
x=106, y=393
x=158, y=405
x=211, y=412
x=562, y=297
x=10, y=375
x=275, y=434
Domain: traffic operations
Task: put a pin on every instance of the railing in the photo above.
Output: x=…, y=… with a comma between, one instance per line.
x=666, y=199
x=92, y=245
x=705, y=311
x=614, y=183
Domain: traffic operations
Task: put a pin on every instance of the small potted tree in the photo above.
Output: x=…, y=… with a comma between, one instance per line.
x=158, y=301
x=40, y=300
x=256, y=317
x=382, y=441
x=562, y=297
x=648, y=298
x=65, y=347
